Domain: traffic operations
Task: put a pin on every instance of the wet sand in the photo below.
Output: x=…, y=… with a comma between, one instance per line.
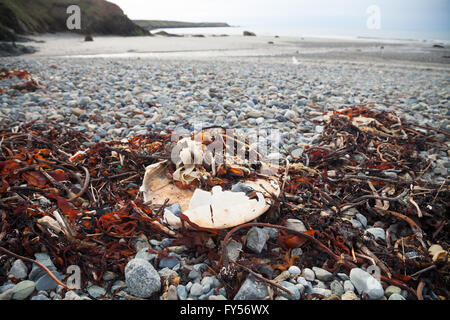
x=361, y=50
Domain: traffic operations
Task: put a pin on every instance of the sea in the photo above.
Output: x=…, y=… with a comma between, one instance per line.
x=432, y=36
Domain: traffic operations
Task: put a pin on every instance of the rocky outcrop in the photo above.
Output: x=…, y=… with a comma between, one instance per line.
x=249, y=34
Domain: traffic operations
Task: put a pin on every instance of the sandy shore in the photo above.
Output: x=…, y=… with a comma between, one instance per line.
x=364, y=50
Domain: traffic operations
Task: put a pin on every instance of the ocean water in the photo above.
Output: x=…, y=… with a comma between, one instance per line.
x=333, y=33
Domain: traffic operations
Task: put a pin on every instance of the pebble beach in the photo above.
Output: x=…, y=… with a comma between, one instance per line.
x=115, y=98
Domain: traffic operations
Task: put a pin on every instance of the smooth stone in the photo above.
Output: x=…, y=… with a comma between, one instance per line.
x=182, y=292
x=362, y=219
x=217, y=297
x=308, y=274
x=252, y=290
x=366, y=284
x=109, y=275
x=96, y=292
x=23, y=289
x=392, y=290
x=196, y=289
x=296, y=252
x=296, y=225
x=297, y=152
x=119, y=284
x=84, y=101
x=322, y=291
x=322, y=274
x=256, y=239
x=272, y=233
x=320, y=284
x=294, y=270
x=145, y=255
x=319, y=129
x=208, y=281
x=37, y=272
x=71, y=295
x=169, y=262
x=396, y=296
x=337, y=288
x=19, y=270
x=7, y=294
x=40, y=297
x=141, y=278
x=241, y=187
x=290, y=115
x=301, y=288
x=193, y=274
x=46, y=283
x=6, y=287
x=348, y=286
x=291, y=287
x=343, y=276
x=356, y=224
x=378, y=233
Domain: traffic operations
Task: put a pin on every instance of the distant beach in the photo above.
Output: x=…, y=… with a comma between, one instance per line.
x=188, y=46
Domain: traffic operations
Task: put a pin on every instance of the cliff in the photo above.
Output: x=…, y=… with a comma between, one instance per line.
x=42, y=16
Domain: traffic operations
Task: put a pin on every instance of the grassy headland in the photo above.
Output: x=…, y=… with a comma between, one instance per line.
x=41, y=16
x=160, y=24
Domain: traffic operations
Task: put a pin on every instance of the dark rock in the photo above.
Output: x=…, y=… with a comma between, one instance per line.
x=167, y=34
x=249, y=34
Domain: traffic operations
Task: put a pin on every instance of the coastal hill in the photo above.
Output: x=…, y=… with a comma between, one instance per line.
x=160, y=24
x=41, y=16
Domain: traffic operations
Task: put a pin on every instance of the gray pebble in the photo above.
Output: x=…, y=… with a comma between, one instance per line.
x=19, y=270
x=256, y=239
x=252, y=290
x=141, y=278
x=322, y=274
x=23, y=289
x=366, y=284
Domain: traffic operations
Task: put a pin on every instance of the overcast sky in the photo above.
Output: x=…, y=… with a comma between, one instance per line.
x=395, y=14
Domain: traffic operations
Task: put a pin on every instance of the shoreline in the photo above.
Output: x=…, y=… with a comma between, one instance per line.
x=188, y=47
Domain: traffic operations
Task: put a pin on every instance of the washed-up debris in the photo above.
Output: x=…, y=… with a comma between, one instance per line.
x=356, y=199
x=215, y=209
x=31, y=82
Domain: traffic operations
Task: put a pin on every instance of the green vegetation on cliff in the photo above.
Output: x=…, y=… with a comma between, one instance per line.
x=159, y=24
x=40, y=16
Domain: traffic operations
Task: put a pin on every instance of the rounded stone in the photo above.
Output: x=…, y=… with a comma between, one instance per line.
x=322, y=274
x=19, y=270
x=23, y=289
x=366, y=284
x=141, y=278
x=294, y=270
x=396, y=296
